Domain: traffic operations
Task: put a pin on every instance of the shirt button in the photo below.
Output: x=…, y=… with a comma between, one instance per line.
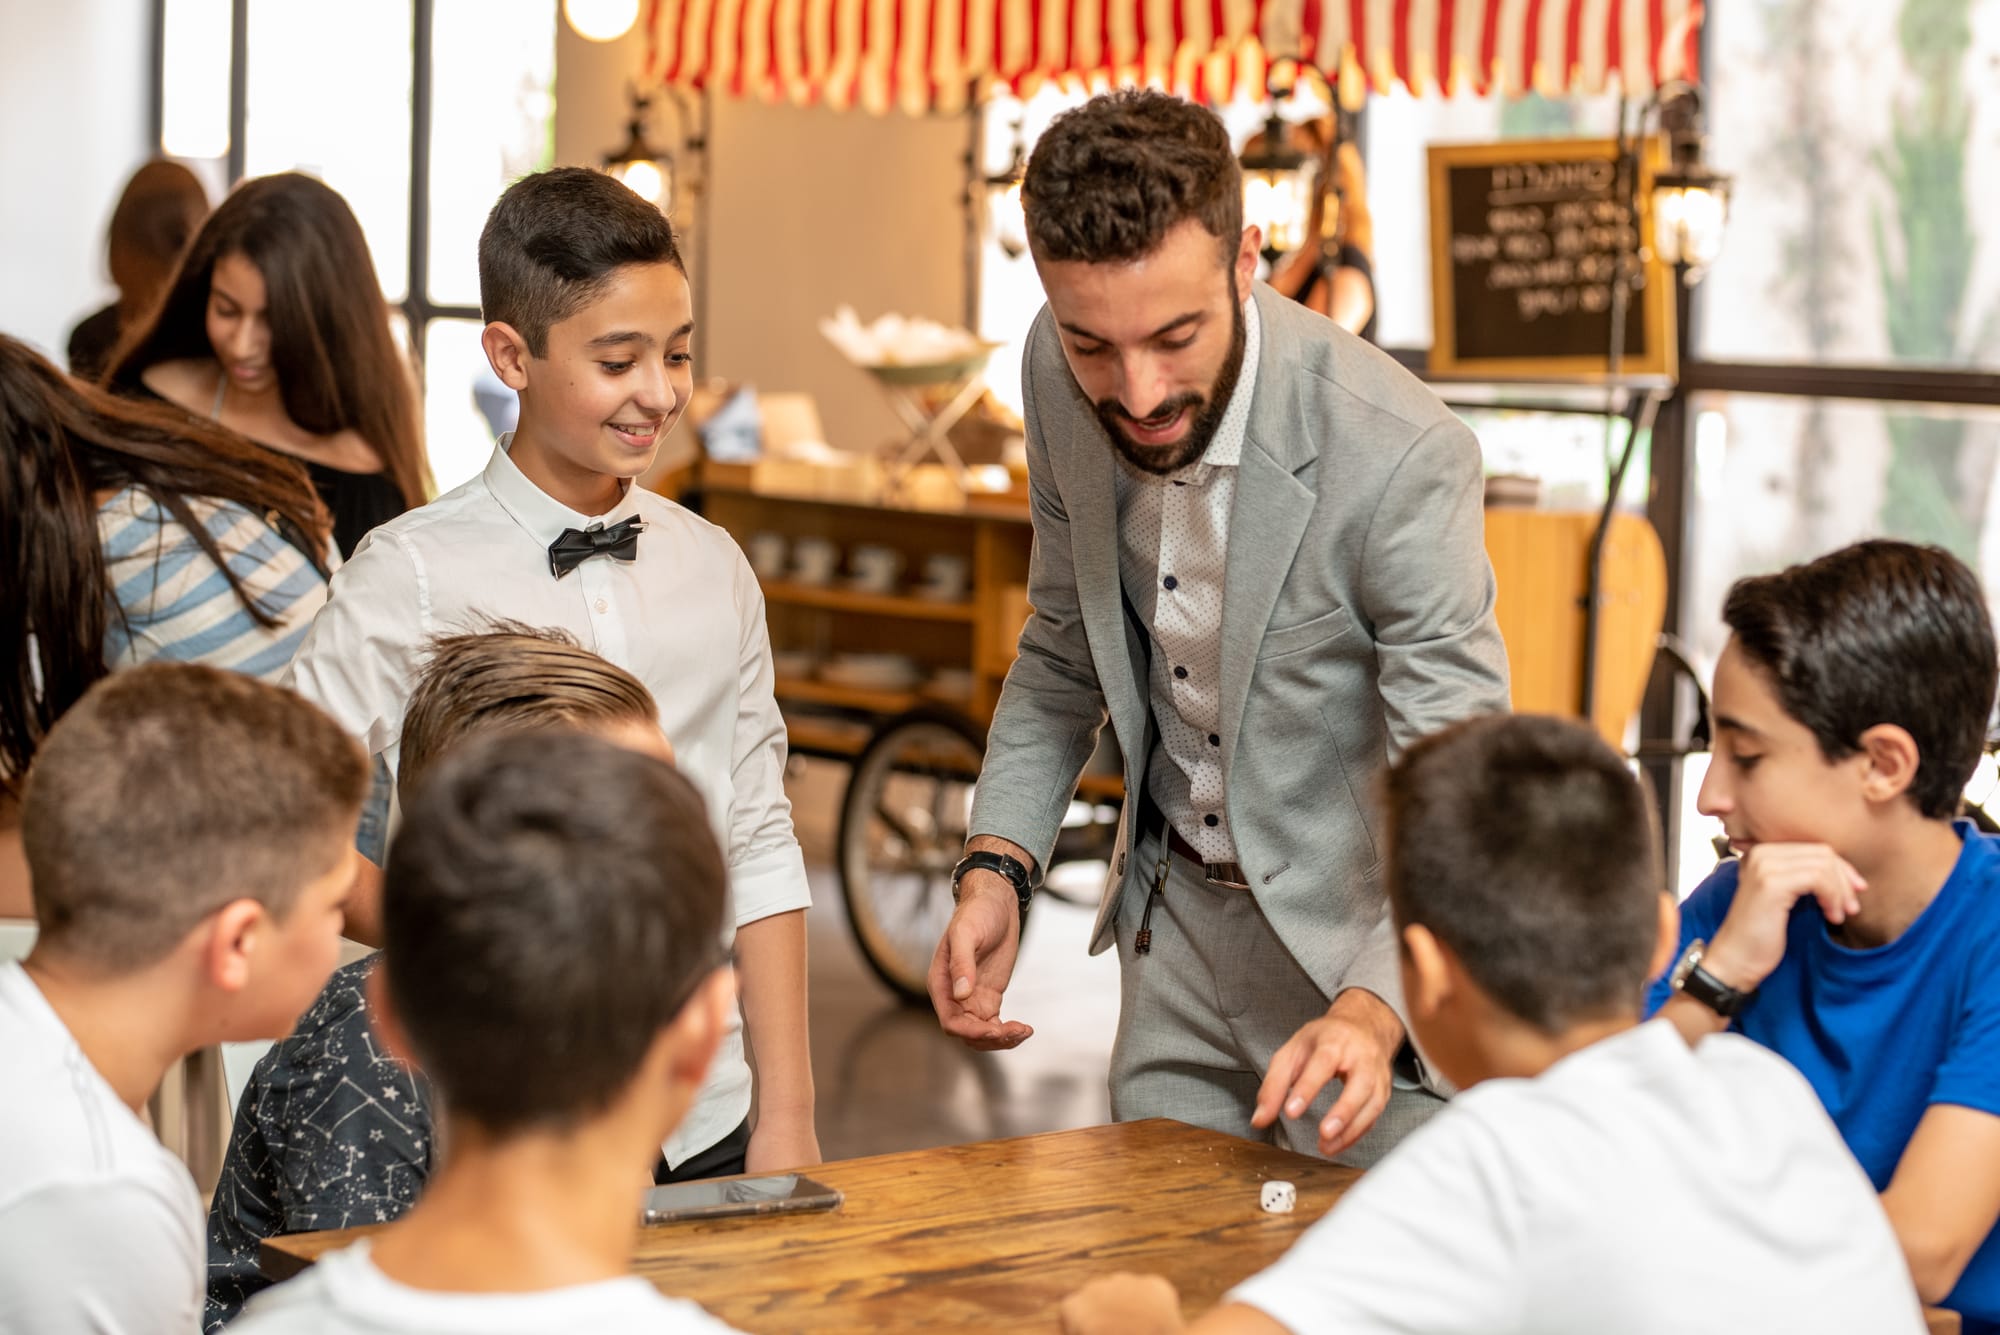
x=1211, y=820
x=1171, y=582
x=1181, y=672
x=603, y=606
x=1214, y=740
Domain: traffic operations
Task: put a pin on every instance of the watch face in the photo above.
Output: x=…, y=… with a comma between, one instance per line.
x=1688, y=960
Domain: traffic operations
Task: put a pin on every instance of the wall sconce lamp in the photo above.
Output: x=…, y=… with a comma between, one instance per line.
x=1003, y=199
x=647, y=170
x=1277, y=187
x=1690, y=199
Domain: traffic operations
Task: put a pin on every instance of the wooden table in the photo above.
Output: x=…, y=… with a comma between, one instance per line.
x=983, y=1237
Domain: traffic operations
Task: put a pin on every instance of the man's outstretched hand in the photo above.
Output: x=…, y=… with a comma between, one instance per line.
x=975, y=961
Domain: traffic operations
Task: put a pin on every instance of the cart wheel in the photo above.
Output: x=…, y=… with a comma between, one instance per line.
x=903, y=823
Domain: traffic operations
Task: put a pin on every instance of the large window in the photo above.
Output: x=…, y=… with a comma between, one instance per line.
x=1866, y=223
x=419, y=112
x=1842, y=354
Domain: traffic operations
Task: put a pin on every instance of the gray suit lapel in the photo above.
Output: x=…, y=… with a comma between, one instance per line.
x=1092, y=501
x=1272, y=507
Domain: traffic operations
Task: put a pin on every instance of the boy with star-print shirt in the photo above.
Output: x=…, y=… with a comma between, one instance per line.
x=332, y=1132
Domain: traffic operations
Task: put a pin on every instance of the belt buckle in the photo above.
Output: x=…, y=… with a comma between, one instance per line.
x=1225, y=875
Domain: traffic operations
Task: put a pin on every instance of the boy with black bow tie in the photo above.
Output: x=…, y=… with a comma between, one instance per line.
x=589, y=319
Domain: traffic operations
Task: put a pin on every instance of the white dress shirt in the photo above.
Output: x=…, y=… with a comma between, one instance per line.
x=686, y=618
x=1173, y=547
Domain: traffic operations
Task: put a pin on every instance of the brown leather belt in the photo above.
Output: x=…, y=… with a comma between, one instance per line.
x=1222, y=875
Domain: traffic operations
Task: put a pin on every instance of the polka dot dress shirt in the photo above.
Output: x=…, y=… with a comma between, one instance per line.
x=1173, y=542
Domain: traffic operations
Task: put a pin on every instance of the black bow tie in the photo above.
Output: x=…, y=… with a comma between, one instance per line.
x=576, y=546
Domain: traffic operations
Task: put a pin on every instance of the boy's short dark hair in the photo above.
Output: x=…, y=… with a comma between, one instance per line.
x=1879, y=632
x=170, y=790
x=1109, y=179
x=512, y=677
x=1526, y=845
x=550, y=904
x=554, y=240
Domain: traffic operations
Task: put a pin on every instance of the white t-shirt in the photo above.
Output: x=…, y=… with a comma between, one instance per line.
x=344, y=1294
x=1637, y=1186
x=100, y=1227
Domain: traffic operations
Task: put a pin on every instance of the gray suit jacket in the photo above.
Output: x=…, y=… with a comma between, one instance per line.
x=1357, y=616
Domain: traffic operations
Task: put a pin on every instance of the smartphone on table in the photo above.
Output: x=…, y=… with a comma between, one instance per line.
x=774, y=1194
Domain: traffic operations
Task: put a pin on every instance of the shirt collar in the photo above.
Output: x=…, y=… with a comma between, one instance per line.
x=1225, y=449
x=540, y=514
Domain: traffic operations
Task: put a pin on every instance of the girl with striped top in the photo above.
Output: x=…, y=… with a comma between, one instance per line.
x=129, y=533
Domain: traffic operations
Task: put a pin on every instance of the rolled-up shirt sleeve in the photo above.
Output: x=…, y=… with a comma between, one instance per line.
x=767, y=872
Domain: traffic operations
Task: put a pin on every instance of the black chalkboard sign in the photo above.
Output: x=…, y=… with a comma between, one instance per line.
x=1526, y=237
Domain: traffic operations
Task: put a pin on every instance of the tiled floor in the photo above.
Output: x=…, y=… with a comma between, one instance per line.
x=889, y=1079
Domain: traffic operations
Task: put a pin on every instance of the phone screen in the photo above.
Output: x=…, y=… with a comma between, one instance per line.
x=734, y=1196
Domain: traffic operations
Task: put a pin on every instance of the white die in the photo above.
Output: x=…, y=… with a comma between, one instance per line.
x=1278, y=1197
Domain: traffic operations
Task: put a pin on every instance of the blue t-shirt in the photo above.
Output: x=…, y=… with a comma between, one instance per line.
x=1883, y=1034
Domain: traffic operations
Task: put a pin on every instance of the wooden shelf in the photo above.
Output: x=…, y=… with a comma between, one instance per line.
x=818, y=735
x=805, y=692
x=872, y=604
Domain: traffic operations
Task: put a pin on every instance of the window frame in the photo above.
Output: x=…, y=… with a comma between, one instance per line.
x=418, y=309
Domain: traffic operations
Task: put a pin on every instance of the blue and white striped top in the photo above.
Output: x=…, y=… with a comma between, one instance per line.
x=176, y=602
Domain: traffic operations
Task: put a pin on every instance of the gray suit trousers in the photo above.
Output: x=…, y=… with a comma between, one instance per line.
x=1203, y=1011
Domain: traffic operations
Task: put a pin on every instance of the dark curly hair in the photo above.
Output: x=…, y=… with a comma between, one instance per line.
x=1879, y=632
x=1111, y=178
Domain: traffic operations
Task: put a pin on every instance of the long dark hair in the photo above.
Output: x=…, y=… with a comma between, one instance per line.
x=61, y=443
x=162, y=207
x=338, y=367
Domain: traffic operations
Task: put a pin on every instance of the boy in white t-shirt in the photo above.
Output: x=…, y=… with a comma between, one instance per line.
x=552, y=913
x=190, y=838
x=1597, y=1174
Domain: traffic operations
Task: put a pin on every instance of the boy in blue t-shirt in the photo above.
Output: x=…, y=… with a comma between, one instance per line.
x=1858, y=933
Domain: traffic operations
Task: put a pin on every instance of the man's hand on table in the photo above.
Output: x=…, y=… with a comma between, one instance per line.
x=975, y=960
x=1123, y=1304
x=1355, y=1042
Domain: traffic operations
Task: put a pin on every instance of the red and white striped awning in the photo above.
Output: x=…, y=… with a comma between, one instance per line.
x=924, y=55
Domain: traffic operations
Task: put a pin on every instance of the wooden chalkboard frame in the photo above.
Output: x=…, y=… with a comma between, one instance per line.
x=1655, y=360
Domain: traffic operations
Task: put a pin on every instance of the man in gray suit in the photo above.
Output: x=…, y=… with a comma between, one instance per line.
x=1259, y=552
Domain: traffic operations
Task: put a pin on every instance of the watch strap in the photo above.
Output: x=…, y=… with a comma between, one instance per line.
x=1002, y=864
x=1710, y=991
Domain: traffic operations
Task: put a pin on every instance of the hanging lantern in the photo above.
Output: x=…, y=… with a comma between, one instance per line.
x=1277, y=189
x=1004, y=214
x=648, y=171
x=1690, y=199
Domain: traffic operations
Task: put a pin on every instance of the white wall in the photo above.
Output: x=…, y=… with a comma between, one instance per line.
x=75, y=86
x=808, y=209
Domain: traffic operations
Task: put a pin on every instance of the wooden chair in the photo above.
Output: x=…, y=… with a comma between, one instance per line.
x=1541, y=561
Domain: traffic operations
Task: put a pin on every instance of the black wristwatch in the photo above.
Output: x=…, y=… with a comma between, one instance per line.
x=1009, y=867
x=1690, y=979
